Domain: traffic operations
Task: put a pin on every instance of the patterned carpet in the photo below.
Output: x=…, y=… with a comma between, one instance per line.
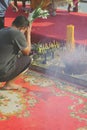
x=43, y=103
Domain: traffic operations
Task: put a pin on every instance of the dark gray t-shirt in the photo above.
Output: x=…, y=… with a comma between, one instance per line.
x=11, y=41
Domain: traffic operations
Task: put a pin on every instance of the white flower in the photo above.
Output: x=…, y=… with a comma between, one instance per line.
x=37, y=13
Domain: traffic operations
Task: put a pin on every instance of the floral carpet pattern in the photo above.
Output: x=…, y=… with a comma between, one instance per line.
x=43, y=103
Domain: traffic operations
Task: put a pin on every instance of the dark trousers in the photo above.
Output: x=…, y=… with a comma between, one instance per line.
x=1, y=22
x=22, y=63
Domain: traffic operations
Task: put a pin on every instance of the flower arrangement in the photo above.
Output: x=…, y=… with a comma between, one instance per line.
x=38, y=13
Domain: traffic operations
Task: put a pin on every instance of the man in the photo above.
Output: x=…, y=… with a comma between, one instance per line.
x=13, y=40
x=3, y=7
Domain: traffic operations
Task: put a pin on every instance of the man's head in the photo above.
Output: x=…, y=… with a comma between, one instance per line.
x=21, y=22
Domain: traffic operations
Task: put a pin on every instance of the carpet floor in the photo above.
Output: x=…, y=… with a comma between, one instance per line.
x=43, y=103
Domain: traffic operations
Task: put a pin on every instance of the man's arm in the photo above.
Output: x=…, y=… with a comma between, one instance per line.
x=27, y=50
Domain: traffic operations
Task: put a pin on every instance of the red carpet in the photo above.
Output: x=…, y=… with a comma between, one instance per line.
x=54, y=28
x=48, y=104
x=44, y=103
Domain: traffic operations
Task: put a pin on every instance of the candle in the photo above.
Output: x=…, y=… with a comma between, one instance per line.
x=70, y=42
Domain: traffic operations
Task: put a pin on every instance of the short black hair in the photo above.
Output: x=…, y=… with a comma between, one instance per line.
x=20, y=21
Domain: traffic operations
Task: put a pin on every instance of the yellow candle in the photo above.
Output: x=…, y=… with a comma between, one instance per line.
x=70, y=42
